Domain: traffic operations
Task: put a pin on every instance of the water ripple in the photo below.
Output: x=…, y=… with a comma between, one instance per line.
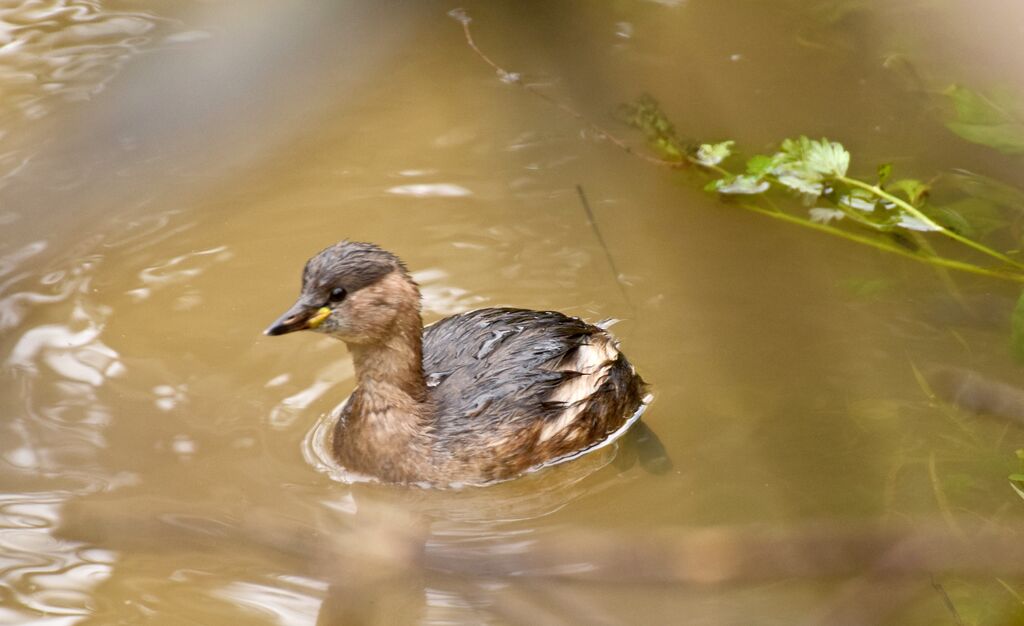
x=54, y=52
x=291, y=600
x=39, y=574
x=64, y=50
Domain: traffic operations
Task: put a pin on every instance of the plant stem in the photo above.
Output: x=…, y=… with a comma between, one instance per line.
x=884, y=247
x=721, y=171
x=912, y=210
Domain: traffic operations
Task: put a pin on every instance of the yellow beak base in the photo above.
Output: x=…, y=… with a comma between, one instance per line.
x=318, y=318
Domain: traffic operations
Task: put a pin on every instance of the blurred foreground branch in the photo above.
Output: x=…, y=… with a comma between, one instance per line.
x=882, y=567
x=382, y=537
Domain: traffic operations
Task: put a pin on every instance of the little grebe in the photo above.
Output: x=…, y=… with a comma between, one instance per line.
x=474, y=398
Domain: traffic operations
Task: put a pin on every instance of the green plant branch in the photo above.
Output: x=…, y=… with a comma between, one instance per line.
x=885, y=247
x=855, y=216
x=912, y=210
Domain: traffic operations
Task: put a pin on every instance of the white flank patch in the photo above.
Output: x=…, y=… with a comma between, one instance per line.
x=593, y=362
x=604, y=442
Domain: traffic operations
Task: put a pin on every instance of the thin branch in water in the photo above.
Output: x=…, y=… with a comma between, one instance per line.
x=940, y=496
x=937, y=586
x=514, y=78
x=604, y=246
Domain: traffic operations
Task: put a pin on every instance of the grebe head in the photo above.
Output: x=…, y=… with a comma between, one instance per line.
x=353, y=291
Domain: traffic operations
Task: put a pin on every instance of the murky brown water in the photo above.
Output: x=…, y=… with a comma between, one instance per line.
x=166, y=169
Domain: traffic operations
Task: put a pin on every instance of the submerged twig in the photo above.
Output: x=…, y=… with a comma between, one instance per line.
x=514, y=78
x=937, y=586
x=940, y=496
x=604, y=246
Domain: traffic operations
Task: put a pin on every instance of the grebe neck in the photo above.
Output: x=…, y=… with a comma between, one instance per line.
x=395, y=363
x=385, y=426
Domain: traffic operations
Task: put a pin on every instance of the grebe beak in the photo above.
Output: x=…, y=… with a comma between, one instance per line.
x=299, y=317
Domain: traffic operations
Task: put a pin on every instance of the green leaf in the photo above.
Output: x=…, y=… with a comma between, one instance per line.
x=824, y=216
x=884, y=173
x=1017, y=477
x=646, y=114
x=800, y=183
x=668, y=148
x=974, y=107
x=1006, y=138
x=972, y=217
x=913, y=189
x=804, y=164
x=1017, y=330
x=758, y=165
x=904, y=71
x=824, y=157
x=828, y=158
x=709, y=154
x=739, y=185
x=951, y=219
x=912, y=222
x=985, y=188
x=991, y=119
x=859, y=199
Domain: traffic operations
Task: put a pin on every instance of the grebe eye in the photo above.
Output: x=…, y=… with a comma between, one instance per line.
x=337, y=294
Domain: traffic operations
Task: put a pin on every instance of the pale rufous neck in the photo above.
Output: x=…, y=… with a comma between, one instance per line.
x=395, y=363
x=385, y=429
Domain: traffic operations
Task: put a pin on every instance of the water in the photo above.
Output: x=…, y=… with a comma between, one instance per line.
x=168, y=167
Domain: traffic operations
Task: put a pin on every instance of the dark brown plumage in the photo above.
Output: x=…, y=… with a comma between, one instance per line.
x=474, y=398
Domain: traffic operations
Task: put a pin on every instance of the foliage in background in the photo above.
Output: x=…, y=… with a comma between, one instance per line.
x=994, y=119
